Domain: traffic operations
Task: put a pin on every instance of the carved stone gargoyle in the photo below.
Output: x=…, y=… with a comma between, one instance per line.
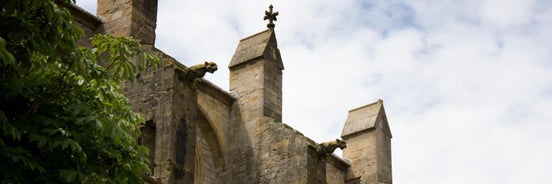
x=196, y=72
x=327, y=148
x=199, y=70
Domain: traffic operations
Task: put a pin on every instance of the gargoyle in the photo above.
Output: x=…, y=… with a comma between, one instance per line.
x=196, y=72
x=199, y=70
x=327, y=148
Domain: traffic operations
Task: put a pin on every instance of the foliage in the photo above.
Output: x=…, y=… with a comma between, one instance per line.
x=63, y=117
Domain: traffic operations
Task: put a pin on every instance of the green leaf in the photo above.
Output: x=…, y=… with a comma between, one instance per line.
x=5, y=55
x=3, y=118
x=65, y=144
x=68, y=175
x=7, y=128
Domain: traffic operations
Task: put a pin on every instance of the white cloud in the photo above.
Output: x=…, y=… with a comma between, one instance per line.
x=507, y=13
x=466, y=84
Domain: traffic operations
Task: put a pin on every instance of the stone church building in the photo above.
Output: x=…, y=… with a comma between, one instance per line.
x=200, y=133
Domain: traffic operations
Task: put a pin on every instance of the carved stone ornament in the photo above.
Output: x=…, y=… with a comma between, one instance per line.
x=327, y=148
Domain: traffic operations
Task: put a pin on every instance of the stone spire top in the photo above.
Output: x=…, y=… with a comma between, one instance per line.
x=261, y=45
x=366, y=118
x=271, y=16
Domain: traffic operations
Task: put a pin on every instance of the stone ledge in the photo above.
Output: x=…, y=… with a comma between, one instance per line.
x=150, y=180
x=82, y=16
x=339, y=162
x=216, y=92
x=297, y=132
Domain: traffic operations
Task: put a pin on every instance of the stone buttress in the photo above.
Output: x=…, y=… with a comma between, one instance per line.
x=276, y=154
x=368, y=138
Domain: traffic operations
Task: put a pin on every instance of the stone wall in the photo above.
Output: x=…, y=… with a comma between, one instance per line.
x=249, y=82
x=361, y=150
x=215, y=105
x=336, y=169
x=316, y=166
x=129, y=18
x=370, y=153
x=206, y=168
x=213, y=134
x=383, y=149
x=168, y=102
x=282, y=153
x=277, y=153
x=183, y=134
x=334, y=175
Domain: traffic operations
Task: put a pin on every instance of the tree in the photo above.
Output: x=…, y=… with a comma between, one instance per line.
x=63, y=117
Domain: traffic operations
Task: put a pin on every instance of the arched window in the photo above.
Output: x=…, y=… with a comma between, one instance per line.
x=147, y=139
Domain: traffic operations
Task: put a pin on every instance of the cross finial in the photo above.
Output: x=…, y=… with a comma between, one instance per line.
x=271, y=16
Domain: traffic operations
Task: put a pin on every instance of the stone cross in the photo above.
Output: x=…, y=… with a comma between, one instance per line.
x=271, y=16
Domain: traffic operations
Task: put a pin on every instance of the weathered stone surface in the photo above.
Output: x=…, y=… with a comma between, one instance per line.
x=258, y=83
x=130, y=18
x=165, y=101
x=260, y=45
x=363, y=118
x=369, y=144
x=336, y=169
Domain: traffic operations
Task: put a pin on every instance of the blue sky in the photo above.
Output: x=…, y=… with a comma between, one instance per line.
x=467, y=84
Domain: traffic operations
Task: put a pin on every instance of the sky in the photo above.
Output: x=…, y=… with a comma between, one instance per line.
x=466, y=84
